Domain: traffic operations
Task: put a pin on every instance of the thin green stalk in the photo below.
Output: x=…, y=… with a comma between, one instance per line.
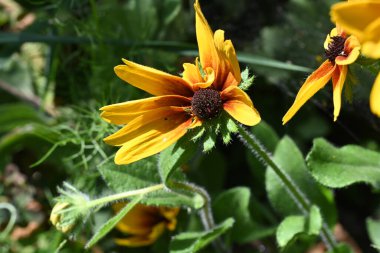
x=123, y=195
x=295, y=192
x=205, y=213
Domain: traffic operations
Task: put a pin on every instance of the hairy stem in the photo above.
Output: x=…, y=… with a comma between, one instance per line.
x=295, y=192
x=123, y=195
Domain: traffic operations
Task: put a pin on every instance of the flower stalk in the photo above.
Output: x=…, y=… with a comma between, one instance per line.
x=295, y=192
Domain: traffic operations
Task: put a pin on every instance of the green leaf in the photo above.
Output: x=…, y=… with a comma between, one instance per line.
x=111, y=223
x=340, y=167
x=238, y=198
x=373, y=227
x=341, y=248
x=290, y=159
x=191, y=242
x=176, y=155
x=141, y=174
x=292, y=226
x=246, y=81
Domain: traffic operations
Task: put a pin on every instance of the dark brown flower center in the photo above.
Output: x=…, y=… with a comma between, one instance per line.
x=335, y=48
x=206, y=103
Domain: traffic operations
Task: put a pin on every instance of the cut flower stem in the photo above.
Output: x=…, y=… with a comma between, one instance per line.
x=304, y=204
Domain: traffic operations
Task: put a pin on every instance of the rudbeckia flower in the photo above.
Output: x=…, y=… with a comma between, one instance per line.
x=362, y=19
x=145, y=224
x=341, y=50
x=205, y=89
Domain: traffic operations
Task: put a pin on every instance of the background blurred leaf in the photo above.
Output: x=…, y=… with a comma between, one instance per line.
x=339, y=167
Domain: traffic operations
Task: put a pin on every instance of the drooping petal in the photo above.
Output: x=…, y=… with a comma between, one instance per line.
x=122, y=113
x=191, y=73
x=355, y=16
x=338, y=79
x=234, y=93
x=142, y=240
x=238, y=104
x=207, y=50
x=352, y=47
x=153, y=81
x=242, y=112
x=142, y=139
x=374, y=99
x=316, y=81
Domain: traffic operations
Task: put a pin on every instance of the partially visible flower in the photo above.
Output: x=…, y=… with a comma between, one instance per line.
x=145, y=224
x=56, y=218
x=341, y=50
x=205, y=89
x=362, y=19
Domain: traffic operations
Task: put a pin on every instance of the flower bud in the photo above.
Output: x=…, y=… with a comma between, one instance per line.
x=57, y=218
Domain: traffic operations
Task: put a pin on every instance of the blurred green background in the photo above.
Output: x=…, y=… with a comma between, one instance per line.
x=56, y=70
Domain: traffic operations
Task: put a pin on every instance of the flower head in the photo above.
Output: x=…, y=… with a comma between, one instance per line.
x=362, y=19
x=341, y=50
x=145, y=224
x=205, y=89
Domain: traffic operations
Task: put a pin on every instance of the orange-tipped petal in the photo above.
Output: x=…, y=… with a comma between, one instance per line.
x=352, y=46
x=242, y=112
x=374, y=99
x=150, y=138
x=152, y=80
x=207, y=50
x=316, y=81
x=338, y=79
x=165, y=118
x=355, y=16
x=122, y=113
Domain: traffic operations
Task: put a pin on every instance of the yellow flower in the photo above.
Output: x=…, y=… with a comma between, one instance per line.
x=179, y=103
x=145, y=224
x=341, y=51
x=362, y=19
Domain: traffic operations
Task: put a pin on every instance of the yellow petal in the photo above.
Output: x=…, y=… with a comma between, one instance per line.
x=242, y=112
x=165, y=117
x=316, y=81
x=338, y=79
x=152, y=80
x=352, y=46
x=232, y=59
x=152, y=138
x=374, y=99
x=234, y=93
x=355, y=16
x=207, y=50
x=371, y=41
x=191, y=73
x=122, y=113
x=170, y=215
x=139, y=220
x=139, y=241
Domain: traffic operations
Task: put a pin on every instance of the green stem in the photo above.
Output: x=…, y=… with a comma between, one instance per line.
x=12, y=220
x=295, y=192
x=205, y=213
x=124, y=195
